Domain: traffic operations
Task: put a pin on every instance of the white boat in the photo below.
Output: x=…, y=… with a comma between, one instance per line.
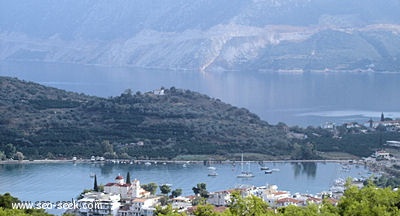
x=264, y=168
x=245, y=174
x=213, y=173
x=211, y=168
x=147, y=163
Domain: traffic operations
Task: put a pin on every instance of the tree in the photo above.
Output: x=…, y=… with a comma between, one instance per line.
x=369, y=200
x=128, y=178
x=9, y=150
x=205, y=210
x=20, y=156
x=95, y=186
x=108, y=149
x=176, y=192
x=6, y=200
x=6, y=208
x=2, y=155
x=201, y=190
x=151, y=187
x=250, y=205
x=167, y=211
x=165, y=189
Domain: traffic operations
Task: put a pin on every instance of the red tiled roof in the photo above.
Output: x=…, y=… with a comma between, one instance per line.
x=291, y=200
x=119, y=177
x=279, y=192
x=314, y=199
x=116, y=184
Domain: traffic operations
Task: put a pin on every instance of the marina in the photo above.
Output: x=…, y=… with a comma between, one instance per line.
x=72, y=178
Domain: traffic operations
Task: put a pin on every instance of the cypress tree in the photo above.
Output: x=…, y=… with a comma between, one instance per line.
x=95, y=187
x=128, y=178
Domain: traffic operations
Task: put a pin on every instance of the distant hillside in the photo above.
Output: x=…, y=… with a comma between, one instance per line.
x=44, y=122
x=253, y=35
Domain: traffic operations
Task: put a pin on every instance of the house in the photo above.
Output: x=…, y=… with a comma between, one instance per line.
x=139, y=207
x=159, y=92
x=220, y=198
x=98, y=203
x=181, y=203
x=271, y=195
x=289, y=201
x=382, y=155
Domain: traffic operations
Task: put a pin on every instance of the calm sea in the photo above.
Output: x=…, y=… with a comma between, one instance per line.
x=65, y=181
x=296, y=98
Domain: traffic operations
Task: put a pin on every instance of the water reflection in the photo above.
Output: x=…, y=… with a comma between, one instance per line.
x=106, y=169
x=308, y=168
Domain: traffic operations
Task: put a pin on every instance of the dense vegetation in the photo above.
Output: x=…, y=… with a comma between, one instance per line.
x=42, y=122
x=6, y=207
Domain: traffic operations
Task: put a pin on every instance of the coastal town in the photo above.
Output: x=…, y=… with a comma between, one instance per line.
x=124, y=197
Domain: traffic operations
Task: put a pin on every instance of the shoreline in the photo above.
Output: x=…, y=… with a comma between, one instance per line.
x=123, y=161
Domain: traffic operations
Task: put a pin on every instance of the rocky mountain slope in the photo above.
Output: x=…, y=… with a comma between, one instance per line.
x=258, y=35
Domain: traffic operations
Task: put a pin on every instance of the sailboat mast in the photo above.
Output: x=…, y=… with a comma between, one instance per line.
x=242, y=162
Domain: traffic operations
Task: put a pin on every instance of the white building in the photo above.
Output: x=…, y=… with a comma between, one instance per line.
x=139, y=207
x=181, y=203
x=382, y=155
x=159, y=92
x=220, y=198
x=97, y=203
x=126, y=190
x=271, y=195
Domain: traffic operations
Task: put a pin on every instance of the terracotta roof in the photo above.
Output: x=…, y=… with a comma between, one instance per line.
x=279, y=193
x=314, y=199
x=139, y=200
x=119, y=177
x=291, y=200
x=116, y=184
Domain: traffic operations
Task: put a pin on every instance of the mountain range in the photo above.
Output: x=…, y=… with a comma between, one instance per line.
x=207, y=35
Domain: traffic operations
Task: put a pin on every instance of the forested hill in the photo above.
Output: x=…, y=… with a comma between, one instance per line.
x=44, y=122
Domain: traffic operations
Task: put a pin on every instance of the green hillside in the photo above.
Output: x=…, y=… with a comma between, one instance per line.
x=44, y=122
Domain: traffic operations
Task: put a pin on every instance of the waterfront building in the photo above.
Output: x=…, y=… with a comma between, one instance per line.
x=99, y=204
x=127, y=190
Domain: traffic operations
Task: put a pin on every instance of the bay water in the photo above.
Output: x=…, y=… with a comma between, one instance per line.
x=303, y=99
x=59, y=182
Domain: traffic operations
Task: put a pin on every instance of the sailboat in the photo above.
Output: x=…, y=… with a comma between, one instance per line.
x=213, y=173
x=212, y=170
x=245, y=174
